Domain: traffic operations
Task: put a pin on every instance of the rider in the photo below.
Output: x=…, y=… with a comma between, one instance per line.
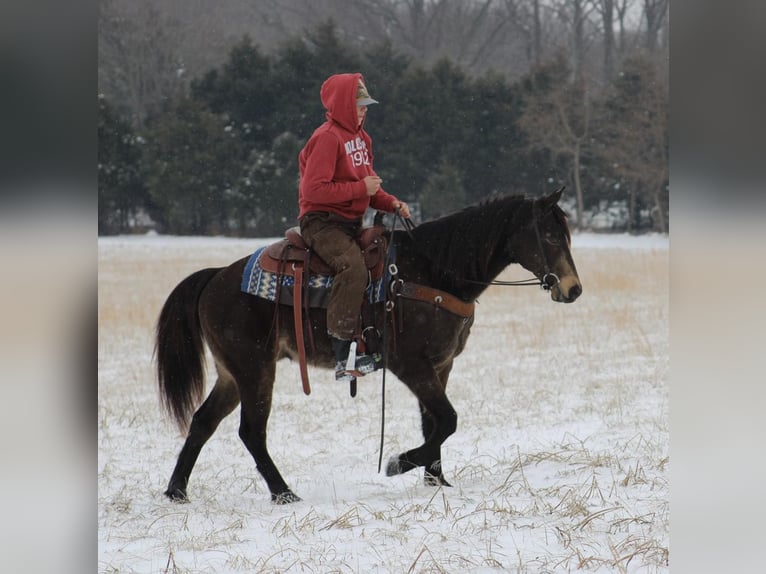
x=337, y=184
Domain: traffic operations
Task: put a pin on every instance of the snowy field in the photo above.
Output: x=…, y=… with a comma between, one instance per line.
x=560, y=462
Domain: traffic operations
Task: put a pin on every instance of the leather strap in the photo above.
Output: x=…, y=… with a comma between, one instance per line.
x=440, y=299
x=298, y=322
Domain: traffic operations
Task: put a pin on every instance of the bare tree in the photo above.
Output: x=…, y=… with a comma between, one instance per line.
x=576, y=17
x=557, y=116
x=139, y=65
x=527, y=18
x=623, y=8
x=473, y=34
x=477, y=35
x=606, y=10
x=655, y=12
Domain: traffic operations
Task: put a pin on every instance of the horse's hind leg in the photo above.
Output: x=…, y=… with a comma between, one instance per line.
x=256, y=406
x=222, y=400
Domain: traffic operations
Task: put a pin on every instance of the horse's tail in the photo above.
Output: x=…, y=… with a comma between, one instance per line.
x=179, y=349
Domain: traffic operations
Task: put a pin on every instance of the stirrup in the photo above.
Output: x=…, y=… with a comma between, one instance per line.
x=354, y=365
x=341, y=374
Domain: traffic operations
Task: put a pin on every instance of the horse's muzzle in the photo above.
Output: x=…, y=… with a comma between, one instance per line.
x=566, y=291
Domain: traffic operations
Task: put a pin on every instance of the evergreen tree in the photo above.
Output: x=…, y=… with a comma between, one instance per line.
x=494, y=158
x=301, y=65
x=443, y=192
x=121, y=191
x=193, y=169
x=429, y=125
x=634, y=135
x=267, y=201
x=244, y=92
x=383, y=69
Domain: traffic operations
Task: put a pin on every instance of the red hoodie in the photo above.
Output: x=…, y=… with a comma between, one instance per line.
x=338, y=156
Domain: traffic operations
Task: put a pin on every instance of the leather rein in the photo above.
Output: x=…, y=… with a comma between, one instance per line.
x=549, y=279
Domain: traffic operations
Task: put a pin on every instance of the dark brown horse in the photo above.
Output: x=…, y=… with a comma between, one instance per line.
x=459, y=254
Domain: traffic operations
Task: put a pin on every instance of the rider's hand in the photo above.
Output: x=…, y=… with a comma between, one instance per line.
x=372, y=183
x=404, y=209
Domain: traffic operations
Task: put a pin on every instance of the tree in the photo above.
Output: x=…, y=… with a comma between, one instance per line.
x=194, y=165
x=526, y=16
x=575, y=15
x=493, y=156
x=244, y=92
x=623, y=8
x=301, y=65
x=121, y=191
x=606, y=8
x=443, y=193
x=655, y=13
x=635, y=136
x=556, y=116
x=140, y=68
x=266, y=203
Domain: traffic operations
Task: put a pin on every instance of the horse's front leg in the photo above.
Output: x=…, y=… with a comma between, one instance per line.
x=439, y=421
x=433, y=475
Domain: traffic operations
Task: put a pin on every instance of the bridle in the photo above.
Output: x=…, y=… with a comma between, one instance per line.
x=549, y=279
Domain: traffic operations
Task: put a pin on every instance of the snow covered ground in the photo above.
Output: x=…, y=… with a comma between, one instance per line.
x=560, y=461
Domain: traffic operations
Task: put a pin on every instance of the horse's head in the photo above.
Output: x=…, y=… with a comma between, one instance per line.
x=546, y=252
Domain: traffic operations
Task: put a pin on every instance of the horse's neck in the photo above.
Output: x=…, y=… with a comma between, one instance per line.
x=479, y=259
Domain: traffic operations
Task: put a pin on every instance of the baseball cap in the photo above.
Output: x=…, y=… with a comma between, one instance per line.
x=363, y=97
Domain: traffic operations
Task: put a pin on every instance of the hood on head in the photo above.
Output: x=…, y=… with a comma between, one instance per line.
x=339, y=97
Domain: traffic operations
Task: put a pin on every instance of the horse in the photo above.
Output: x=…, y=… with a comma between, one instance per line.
x=457, y=255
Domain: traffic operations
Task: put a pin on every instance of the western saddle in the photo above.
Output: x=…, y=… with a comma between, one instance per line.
x=293, y=257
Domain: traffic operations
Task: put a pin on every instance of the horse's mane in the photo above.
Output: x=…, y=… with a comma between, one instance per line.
x=464, y=242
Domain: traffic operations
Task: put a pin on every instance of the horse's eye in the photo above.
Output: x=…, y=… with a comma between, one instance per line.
x=551, y=239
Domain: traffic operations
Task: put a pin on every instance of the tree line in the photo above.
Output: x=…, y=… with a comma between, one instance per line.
x=221, y=157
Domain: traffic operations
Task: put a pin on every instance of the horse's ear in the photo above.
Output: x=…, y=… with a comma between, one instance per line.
x=549, y=201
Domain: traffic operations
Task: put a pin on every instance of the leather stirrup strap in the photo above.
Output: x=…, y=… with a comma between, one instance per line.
x=298, y=322
x=278, y=298
x=307, y=306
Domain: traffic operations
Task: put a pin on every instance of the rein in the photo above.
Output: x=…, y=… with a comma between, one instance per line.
x=548, y=281
x=386, y=306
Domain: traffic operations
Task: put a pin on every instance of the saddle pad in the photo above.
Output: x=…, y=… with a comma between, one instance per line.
x=256, y=281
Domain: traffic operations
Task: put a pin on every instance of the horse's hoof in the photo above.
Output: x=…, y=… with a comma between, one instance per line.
x=177, y=495
x=435, y=480
x=393, y=467
x=285, y=497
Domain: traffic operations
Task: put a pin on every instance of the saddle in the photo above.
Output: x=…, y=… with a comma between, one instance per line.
x=293, y=257
x=283, y=257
